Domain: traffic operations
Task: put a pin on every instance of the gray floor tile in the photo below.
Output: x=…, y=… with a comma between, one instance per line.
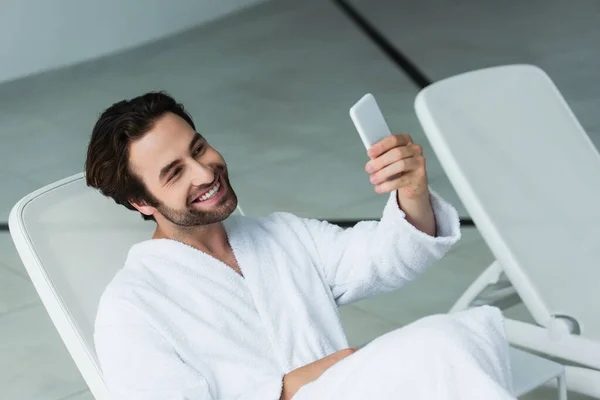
x=364, y=209
x=361, y=327
x=35, y=364
x=432, y=293
x=469, y=235
x=51, y=174
x=9, y=256
x=16, y=292
x=474, y=249
x=14, y=187
x=262, y=202
x=322, y=181
x=441, y=185
x=29, y=153
x=520, y=313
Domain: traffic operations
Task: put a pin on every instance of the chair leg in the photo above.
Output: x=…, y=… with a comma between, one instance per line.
x=562, y=386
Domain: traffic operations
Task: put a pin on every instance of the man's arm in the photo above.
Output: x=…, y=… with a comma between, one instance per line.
x=419, y=213
x=378, y=256
x=417, y=228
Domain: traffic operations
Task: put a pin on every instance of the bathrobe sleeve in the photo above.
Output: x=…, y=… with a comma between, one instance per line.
x=139, y=364
x=379, y=256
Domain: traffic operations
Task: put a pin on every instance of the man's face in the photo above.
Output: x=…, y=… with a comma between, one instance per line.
x=186, y=177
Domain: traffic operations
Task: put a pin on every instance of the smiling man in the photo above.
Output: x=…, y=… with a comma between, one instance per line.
x=216, y=306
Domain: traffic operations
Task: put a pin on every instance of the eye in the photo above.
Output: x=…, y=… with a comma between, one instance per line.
x=198, y=150
x=176, y=173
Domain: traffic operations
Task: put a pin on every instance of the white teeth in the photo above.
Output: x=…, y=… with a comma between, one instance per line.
x=211, y=192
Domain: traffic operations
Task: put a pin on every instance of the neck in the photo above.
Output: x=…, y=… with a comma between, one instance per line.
x=211, y=239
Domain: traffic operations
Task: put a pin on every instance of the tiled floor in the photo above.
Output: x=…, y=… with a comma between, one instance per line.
x=273, y=96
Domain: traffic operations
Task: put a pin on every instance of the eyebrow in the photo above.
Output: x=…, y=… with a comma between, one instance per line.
x=167, y=168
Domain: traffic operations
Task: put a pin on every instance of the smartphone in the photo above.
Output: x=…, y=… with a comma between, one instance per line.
x=369, y=121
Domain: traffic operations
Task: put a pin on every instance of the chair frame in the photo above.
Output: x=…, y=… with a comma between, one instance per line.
x=558, y=337
x=557, y=340
x=64, y=322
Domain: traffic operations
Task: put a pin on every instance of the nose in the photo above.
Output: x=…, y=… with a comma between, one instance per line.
x=201, y=173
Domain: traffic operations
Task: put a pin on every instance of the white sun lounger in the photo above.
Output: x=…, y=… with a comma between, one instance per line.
x=72, y=241
x=529, y=176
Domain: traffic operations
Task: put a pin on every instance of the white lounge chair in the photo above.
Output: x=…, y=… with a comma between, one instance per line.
x=527, y=173
x=72, y=241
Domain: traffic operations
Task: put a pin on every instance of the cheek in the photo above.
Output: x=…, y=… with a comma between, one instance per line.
x=181, y=199
x=175, y=198
x=215, y=157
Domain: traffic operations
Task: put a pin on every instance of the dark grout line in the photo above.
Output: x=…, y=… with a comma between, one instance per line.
x=402, y=61
x=3, y=226
x=349, y=223
x=343, y=223
x=416, y=75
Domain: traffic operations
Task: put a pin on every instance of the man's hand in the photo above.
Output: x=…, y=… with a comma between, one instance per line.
x=398, y=164
x=293, y=381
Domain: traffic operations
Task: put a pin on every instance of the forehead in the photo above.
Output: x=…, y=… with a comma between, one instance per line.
x=168, y=140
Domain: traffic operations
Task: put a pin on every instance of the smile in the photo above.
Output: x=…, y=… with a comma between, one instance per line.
x=209, y=194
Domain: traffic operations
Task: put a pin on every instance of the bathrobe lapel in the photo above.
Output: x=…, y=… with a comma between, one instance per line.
x=287, y=292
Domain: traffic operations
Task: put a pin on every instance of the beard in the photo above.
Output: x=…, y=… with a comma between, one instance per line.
x=191, y=217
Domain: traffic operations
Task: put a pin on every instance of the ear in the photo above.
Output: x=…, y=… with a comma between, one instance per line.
x=143, y=207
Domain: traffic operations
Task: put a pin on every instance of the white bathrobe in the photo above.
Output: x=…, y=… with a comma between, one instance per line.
x=177, y=324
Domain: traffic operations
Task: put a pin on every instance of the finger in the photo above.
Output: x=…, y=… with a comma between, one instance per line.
x=397, y=183
x=399, y=167
x=387, y=143
x=391, y=156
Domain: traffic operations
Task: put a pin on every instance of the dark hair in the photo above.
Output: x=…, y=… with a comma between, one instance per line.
x=107, y=164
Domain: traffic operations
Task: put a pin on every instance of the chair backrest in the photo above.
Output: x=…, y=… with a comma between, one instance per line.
x=528, y=174
x=72, y=241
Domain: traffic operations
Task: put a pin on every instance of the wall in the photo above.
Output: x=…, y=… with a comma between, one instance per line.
x=38, y=35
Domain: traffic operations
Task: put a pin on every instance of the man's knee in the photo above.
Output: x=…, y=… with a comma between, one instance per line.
x=447, y=333
x=434, y=345
x=425, y=339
